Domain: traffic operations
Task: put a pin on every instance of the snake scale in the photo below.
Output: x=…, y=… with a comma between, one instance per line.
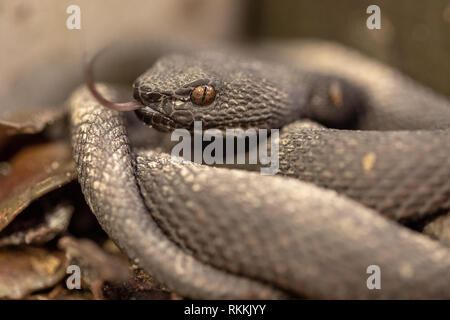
x=336, y=206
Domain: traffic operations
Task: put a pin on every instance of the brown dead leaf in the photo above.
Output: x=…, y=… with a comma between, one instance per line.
x=138, y=287
x=34, y=171
x=96, y=265
x=25, y=270
x=109, y=274
x=60, y=292
x=439, y=229
x=30, y=121
x=32, y=98
x=38, y=224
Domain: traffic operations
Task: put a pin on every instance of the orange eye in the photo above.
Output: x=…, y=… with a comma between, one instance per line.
x=203, y=95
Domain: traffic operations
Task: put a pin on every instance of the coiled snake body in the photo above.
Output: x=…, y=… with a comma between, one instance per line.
x=218, y=233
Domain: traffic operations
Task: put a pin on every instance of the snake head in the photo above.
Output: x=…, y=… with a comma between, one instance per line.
x=177, y=91
x=210, y=87
x=229, y=90
x=175, y=99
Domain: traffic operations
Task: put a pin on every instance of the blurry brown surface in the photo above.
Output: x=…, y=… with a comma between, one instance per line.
x=414, y=35
x=96, y=264
x=40, y=223
x=108, y=273
x=34, y=31
x=439, y=229
x=41, y=60
x=34, y=171
x=24, y=270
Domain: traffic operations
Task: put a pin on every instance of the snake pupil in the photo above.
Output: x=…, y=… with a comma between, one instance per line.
x=203, y=95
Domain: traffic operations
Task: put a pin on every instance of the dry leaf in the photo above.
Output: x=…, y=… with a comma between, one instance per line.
x=38, y=224
x=96, y=265
x=139, y=287
x=30, y=121
x=60, y=292
x=34, y=171
x=439, y=229
x=25, y=270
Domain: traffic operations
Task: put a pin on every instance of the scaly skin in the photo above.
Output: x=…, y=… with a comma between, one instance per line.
x=297, y=237
x=382, y=170
x=394, y=101
x=308, y=241
x=250, y=93
x=210, y=233
x=405, y=183
x=107, y=178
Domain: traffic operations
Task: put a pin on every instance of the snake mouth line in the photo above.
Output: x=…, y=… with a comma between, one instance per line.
x=156, y=118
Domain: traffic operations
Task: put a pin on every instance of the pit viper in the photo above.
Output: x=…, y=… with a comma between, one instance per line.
x=379, y=160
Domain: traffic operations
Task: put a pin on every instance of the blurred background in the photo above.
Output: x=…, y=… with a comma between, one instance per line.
x=414, y=36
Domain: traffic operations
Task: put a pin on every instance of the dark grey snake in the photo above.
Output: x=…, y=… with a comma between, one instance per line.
x=209, y=232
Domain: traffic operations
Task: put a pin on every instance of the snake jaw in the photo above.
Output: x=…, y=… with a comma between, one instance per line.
x=156, y=119
x=165, y=111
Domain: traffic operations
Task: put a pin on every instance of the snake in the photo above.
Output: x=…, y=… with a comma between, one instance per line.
x=352, y=188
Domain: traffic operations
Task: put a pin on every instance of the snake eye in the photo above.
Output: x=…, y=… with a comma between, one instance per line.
x=203, y=95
